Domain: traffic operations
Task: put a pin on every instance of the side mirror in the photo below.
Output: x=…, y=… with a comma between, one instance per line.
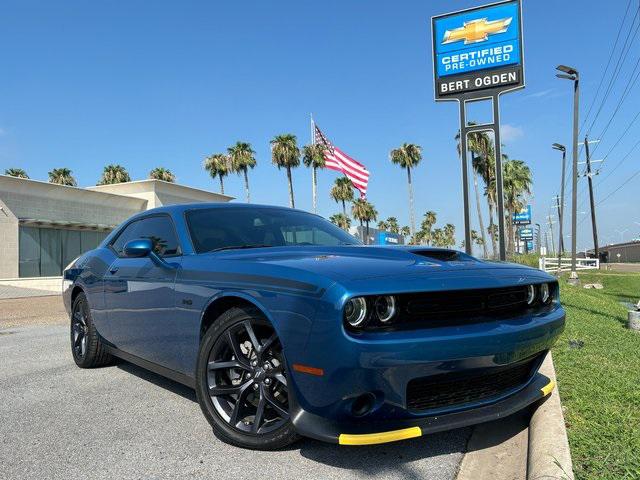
x=138, y=248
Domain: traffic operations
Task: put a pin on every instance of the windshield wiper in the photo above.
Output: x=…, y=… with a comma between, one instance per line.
x=240, y=247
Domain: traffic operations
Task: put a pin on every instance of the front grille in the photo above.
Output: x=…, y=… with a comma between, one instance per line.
x=476, y=302
x=457, y=389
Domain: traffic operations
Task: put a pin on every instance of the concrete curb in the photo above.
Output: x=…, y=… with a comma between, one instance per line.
x=549, y=456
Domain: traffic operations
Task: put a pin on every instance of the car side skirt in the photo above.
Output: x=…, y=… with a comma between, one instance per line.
x=152, y=367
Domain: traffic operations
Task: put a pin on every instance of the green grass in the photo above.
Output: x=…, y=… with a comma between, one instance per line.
x=530, y=259
x=600, y=382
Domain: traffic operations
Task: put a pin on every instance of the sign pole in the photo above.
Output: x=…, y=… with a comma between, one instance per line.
x=465, y=177
x=478, y=55
x=499, y=180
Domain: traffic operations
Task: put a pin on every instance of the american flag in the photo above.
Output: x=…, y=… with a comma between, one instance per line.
x=336, y=159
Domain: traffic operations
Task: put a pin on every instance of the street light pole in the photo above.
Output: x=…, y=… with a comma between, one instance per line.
x=572, y=74
x=563, y=149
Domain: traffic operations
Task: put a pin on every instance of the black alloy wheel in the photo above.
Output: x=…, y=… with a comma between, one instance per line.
x=79, y=331
x=242, y=382
x=246, y=379
x=86, y=346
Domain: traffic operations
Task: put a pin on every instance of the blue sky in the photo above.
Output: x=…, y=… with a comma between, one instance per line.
x=161, y=83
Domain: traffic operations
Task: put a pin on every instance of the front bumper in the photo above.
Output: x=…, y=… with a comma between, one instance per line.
x=382, y=432
x=384, y=364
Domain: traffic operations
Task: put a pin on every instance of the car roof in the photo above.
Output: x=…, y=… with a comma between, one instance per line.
x=183, y=207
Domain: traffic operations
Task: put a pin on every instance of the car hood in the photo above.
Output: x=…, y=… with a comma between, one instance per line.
x=355, y=263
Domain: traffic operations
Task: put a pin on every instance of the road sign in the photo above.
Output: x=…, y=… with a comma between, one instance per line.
x=523, y=217
x=478, y=49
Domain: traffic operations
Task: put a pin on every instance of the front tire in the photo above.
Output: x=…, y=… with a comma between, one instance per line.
x=241, y=382
x=86, y=347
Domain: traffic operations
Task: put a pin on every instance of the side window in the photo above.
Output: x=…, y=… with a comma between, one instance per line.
x=161, y=233
x=129, y=233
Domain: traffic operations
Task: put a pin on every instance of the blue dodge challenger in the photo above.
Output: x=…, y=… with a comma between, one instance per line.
x=285, y=325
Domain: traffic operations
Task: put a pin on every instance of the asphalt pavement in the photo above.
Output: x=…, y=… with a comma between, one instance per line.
x=60, y=422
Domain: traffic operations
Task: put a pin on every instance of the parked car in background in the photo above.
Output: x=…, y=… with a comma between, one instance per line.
x=286, y=325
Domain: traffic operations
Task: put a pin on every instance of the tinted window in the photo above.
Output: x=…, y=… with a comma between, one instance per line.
x=128, y=234
x=158, y=229
x=217, y=228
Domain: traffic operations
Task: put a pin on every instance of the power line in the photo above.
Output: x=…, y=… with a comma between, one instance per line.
x=604, y=73
x=609, y=152
x=615, y=191
x=620, y=162
x=625, y=93
x=617, y=68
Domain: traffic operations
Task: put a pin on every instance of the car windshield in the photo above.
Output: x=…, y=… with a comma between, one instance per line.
x=240, y=228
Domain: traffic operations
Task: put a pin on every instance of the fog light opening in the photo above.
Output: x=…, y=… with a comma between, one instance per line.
x=363, y=404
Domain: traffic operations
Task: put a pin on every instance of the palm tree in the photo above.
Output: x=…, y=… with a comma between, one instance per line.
x=286, y=154
x=449, y=231
x=16, y=172
x=426, y=226
x=371, y=216
x=242, y=159
x=218, y=166
x=405, y=231
x=479, y=144
x=359, y=210
x=517, y=184
x=62, y=176
x=342, y=191
x=382, y=225
x=313, y=157
x=161, y=173
x=392, y=224
x=341, y=220
x=113, y=174
x=438, y=238
x=408, y=156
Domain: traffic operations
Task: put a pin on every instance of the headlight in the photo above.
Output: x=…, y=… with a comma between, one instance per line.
x=385, y=308
x=531, y=294
x=355, y=311
x=544, y=293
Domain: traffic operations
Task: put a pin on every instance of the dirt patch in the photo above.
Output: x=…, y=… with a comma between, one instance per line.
x=32, y=311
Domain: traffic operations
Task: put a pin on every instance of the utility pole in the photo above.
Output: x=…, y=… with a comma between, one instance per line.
x=549, y=219
x=559, y=208
x=593, y=205
x=539, y=244
x=546, y=242
x=572, y=74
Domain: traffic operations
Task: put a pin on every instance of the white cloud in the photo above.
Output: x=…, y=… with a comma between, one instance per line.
x=540, y=94
x=510, y=133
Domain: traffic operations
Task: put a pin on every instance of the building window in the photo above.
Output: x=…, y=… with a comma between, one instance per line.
x=44, y=252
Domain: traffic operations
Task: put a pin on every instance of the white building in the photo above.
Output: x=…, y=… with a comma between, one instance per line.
x=44, y=226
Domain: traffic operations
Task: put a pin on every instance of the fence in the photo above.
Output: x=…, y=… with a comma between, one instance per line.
x=549, y=264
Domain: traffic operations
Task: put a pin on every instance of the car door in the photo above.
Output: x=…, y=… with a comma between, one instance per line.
x=140, y=292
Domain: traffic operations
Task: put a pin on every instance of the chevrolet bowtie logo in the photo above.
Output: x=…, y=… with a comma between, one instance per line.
x=476, y=30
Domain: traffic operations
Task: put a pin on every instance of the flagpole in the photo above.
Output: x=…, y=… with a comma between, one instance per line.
x=313, y=170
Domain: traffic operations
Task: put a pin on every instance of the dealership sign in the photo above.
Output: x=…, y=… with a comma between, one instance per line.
x=525, y=233
x=478, y=49
x=523, y=217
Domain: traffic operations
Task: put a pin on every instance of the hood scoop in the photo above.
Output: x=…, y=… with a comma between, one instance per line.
x=441, y=255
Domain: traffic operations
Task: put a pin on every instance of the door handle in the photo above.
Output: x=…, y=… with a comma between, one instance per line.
x=113, y=270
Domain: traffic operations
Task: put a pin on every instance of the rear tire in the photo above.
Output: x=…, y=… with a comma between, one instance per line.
x=86, y=347
x=241, y=382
